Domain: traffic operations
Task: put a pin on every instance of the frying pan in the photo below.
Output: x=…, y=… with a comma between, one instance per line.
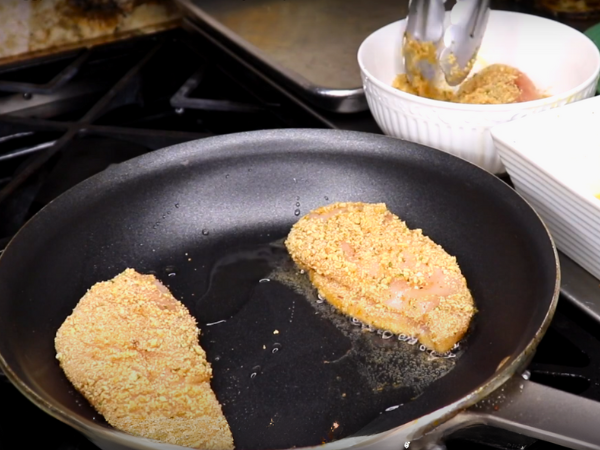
x=207, y=217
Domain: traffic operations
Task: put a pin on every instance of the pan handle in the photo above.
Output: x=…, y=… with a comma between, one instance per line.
x=533, y=410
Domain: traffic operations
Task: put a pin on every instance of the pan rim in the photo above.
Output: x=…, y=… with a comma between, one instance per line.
x=155, y=158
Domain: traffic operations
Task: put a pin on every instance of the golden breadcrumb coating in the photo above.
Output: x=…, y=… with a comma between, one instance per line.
x=132, y=350
x=497, y=84
x=367, y=263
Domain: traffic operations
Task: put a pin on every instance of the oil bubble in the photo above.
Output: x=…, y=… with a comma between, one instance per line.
x=255, y=371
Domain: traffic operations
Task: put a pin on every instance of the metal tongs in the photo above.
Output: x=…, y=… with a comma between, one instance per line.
x=456, y=45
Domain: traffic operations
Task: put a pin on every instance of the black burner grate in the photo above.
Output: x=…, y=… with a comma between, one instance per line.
x=120, y=93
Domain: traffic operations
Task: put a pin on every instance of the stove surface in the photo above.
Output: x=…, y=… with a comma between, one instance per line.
x=67, y=117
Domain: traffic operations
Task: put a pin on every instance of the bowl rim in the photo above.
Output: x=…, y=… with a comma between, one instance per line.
x=471, y=107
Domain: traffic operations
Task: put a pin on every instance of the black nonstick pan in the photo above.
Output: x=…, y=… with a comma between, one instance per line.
x=208, y=218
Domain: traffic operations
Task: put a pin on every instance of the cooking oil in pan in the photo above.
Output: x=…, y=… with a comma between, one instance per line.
x=386, y=360
x=288, y=368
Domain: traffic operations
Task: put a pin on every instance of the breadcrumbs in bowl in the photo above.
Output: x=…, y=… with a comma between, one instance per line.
x=497, y=84
x=562, y=63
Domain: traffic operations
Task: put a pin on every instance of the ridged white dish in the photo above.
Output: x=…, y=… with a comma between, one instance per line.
x=560, y=61
x=553, y=159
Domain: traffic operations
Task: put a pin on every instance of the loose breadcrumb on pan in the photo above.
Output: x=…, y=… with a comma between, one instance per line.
x=132, y=350
x=367, y=263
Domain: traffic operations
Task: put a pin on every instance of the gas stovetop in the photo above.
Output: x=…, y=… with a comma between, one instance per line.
x=67, y=117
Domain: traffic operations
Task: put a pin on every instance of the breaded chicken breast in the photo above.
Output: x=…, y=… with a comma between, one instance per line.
x=132, y=350
x=367, y=263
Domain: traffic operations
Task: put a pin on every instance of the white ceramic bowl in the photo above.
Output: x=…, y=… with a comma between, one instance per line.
x=560, y=61
x=553, y=159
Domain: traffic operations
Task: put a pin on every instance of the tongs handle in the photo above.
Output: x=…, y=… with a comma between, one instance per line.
x=462, y=39
x=425, y=20
x=456, y=46
x=425, y=24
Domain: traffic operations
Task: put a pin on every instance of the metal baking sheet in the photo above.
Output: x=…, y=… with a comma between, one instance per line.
x=308, y=45
x=35, y=29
